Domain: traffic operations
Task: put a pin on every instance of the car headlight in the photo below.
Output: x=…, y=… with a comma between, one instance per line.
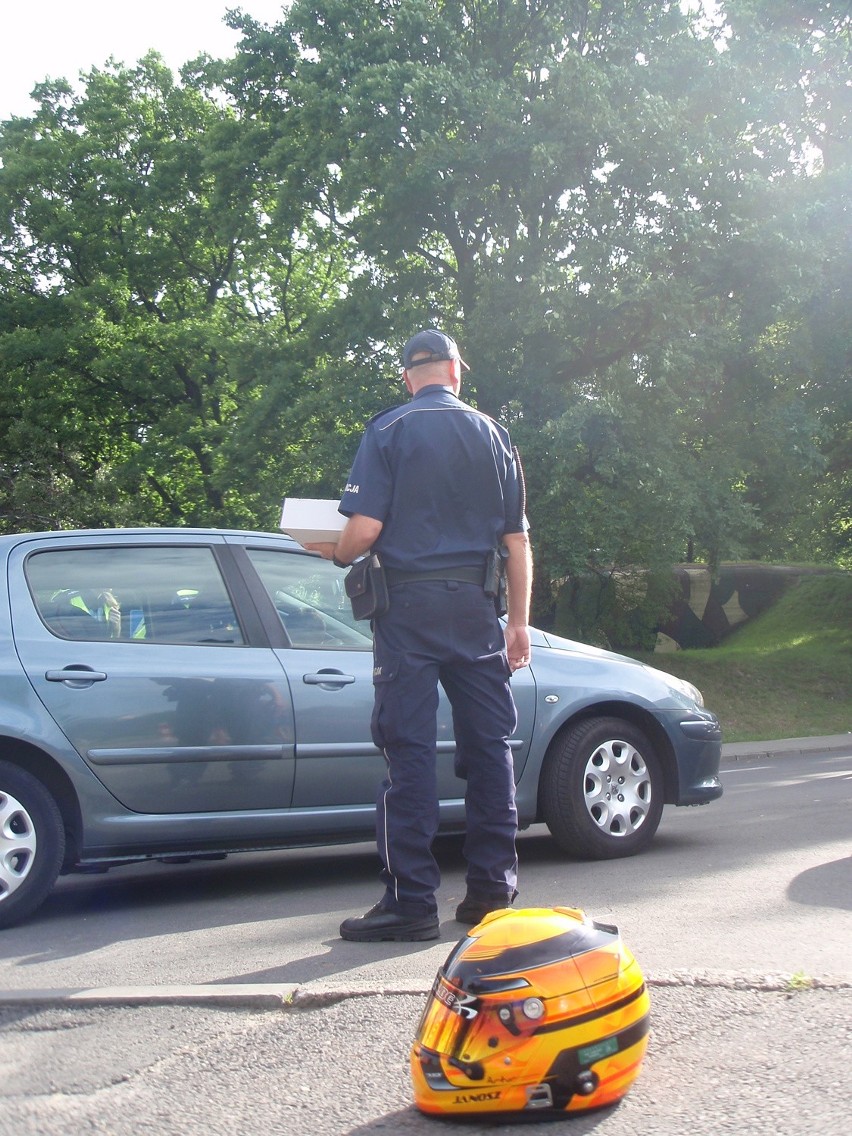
x=684, y=687
x=680, y=687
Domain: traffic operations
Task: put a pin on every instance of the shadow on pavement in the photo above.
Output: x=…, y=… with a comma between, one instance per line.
x=826, y=885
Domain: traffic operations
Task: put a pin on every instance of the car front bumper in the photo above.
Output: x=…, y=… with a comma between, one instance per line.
x=697, y=741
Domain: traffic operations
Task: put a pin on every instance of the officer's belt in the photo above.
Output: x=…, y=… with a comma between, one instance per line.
x=465, y=575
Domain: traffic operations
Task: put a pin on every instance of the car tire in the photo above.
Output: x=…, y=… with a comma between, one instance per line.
x=32, y=843
x=601, y=790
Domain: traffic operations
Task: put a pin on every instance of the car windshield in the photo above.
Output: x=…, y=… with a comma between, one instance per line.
x=310, y=600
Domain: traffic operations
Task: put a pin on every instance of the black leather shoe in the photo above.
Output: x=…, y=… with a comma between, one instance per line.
x=382, y=926
x=473, y=909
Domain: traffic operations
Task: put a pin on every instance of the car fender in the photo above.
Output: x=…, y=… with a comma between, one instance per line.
x=52, y=758
x=556, y=713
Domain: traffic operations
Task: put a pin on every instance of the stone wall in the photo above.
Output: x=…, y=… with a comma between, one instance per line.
x=708, y=610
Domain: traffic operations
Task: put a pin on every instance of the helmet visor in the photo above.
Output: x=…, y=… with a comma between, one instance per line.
x=447, y=1018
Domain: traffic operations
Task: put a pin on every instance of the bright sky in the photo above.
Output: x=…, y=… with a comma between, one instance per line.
x=57, y=39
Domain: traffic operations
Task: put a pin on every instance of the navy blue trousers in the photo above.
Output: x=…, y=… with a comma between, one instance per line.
x=448, y=632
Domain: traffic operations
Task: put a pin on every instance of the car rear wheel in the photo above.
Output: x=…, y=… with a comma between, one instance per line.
x=32, y=843
x=602, y=790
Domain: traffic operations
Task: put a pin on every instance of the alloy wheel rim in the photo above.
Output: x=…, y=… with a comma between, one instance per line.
x=18, y=844
x=617, y=788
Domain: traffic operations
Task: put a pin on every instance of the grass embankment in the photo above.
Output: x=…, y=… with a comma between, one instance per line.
x=785, y=674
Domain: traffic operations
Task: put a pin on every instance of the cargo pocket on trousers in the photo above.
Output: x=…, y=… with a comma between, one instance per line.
x=384, y=673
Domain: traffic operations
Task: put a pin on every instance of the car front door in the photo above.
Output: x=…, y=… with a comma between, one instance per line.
x=139, y=653
x=329, y=662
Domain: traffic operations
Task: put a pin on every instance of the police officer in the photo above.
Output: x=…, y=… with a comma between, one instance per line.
x=435, y=489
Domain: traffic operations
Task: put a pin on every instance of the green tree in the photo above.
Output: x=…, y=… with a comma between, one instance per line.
x=150, y=280
x=633, y=217
x=589, y=195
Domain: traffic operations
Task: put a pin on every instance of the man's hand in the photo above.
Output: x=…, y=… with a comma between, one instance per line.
x=518, y=648
x=324, y=547
x=358, y=536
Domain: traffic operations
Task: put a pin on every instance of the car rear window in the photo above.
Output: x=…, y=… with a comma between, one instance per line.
x=168, y=594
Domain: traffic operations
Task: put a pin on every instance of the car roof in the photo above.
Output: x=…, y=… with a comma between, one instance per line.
x=8, y=540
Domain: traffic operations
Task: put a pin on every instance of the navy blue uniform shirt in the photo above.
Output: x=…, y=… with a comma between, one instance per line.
x=442, y=479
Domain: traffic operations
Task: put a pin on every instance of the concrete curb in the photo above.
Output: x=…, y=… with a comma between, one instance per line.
x=257, y=995
x=785, y=747
x=272, y=996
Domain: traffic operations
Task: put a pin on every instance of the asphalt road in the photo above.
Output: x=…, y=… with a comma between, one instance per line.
x=217, y=997
x=754, y=883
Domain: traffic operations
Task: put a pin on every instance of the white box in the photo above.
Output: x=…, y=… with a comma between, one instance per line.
x=311, y=520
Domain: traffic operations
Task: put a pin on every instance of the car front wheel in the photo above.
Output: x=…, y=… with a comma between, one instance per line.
x=32, y=843
x=602, y=790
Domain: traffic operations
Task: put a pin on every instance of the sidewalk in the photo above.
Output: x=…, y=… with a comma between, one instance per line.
x=720, y=1059
x=743, y=751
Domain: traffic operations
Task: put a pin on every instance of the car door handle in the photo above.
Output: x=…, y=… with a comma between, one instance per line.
x=328, y=678
x=78, y=675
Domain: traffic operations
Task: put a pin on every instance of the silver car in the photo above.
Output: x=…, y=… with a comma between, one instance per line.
x=185, y=692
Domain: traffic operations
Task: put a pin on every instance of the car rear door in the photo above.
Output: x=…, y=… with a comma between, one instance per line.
x=176, y=702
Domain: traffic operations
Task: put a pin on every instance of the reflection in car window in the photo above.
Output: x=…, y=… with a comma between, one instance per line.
x=134, y=594
x=309, y=598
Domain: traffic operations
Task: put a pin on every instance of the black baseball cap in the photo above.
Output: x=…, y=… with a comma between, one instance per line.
x=438, y=346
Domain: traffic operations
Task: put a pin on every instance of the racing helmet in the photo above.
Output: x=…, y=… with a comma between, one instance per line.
x=535, y=1011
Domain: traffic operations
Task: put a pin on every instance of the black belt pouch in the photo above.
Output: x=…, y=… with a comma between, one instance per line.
x=367, y=588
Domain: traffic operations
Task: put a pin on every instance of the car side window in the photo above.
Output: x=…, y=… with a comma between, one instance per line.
x=309, y=598
x=133, y=593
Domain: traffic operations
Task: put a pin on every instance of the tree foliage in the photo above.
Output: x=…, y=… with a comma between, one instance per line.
x=632, y=214
x=152, y=295
x=610, y=203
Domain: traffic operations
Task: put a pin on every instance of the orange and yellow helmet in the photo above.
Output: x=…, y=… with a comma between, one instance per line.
x=540, y=1010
